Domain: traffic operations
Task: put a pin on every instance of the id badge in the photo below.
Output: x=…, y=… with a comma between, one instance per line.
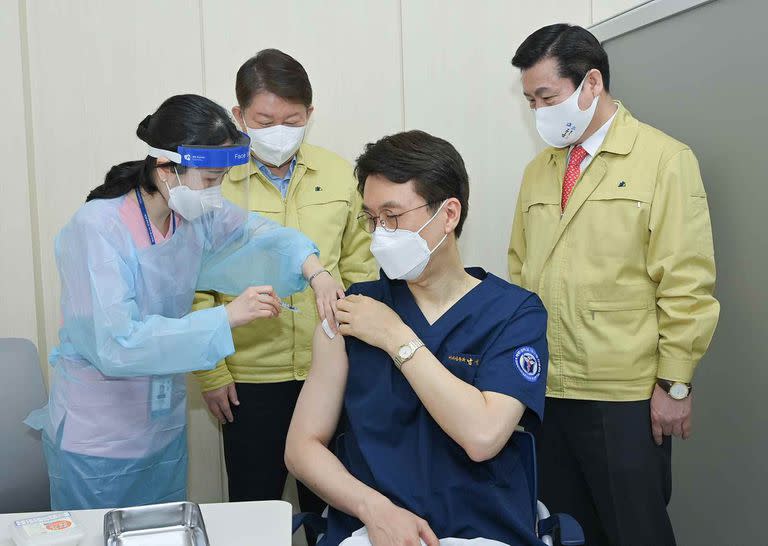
x=160, y=392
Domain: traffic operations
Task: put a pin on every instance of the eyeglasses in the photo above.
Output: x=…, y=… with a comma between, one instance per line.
x=370, y=222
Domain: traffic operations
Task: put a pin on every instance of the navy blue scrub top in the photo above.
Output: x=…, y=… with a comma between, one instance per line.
x=493, y=338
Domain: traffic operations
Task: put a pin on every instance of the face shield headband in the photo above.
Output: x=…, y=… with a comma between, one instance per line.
x=211, y=157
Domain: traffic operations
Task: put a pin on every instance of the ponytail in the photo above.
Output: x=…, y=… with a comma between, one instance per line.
x=120, y=180
x=124, y=177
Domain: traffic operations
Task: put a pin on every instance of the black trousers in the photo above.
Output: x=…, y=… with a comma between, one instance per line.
x=254, y=444
x=598, y=462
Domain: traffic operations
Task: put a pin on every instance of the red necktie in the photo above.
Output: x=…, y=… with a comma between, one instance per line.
x=572, y=174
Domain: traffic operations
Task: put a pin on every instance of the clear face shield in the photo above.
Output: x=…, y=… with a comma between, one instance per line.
x=241, y=249
x=194, y=186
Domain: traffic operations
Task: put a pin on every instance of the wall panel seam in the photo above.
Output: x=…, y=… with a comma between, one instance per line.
x=402, y=66
x=203, y=86
x=42, y=344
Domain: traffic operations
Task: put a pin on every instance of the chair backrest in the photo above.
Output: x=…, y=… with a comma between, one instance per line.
x=24, y=483
x=526, y=446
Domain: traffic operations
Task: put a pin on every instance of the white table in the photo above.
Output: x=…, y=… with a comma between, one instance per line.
x=228, y=524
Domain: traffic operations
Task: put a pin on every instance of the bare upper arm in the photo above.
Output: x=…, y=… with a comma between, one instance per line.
x=505, y=412
x=319, y=406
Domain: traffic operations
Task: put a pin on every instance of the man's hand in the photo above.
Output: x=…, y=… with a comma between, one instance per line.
x=670, y=417
x=372, y=322
x=219, y=401
x=390, y=525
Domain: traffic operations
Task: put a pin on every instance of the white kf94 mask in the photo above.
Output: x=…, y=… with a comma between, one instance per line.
x=403, y=254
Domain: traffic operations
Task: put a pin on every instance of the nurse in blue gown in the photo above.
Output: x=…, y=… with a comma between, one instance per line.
x=130, y=261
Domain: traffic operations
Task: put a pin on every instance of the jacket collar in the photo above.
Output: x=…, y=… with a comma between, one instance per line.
x=620, y=139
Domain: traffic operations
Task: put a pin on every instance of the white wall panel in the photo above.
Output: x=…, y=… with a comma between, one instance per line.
x=350, y=49
x=460, y=85
x=18, y=317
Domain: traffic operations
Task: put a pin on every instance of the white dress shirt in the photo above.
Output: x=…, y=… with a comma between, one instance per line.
x=593, y=143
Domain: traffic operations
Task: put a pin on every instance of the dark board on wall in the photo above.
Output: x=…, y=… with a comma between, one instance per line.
x=702, y=77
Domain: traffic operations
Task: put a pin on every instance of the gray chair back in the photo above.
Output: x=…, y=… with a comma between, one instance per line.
x=23, y=475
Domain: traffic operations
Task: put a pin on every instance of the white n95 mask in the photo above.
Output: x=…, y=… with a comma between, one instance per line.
x=277, y=144
x=403, y=254
x=563, y=124
x=191, y=204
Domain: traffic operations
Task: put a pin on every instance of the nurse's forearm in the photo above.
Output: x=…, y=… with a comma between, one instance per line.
x=481, y=423
x=311, y=266
x=319, y=469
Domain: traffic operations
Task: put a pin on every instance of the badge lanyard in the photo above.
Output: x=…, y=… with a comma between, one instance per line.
x=147, y=223
x=161, y=386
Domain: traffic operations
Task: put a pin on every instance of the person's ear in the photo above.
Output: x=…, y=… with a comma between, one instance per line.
x=310, y=109
x=237, y=112
x=164, y=170
x=452, y=210
x=594, y=84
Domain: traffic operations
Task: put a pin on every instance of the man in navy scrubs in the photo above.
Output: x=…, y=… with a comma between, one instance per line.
x=436, y=367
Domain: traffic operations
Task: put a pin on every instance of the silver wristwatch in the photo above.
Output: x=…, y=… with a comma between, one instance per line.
x=406, y=352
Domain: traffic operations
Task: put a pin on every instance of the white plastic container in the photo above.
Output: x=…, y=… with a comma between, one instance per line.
x=57, y=529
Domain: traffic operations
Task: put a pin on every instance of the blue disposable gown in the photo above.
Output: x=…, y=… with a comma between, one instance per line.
x=114, y=430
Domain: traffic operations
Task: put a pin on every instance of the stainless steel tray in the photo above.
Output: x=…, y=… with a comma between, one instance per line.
x=174, y=524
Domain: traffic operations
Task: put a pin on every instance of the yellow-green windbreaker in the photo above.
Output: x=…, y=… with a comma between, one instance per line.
x=628, y=272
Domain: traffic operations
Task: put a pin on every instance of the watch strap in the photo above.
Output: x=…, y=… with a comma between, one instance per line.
x=666, y=385
x=415, y=345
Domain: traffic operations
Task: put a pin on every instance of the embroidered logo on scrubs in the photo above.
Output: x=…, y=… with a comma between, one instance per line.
x=471, y=361
x=528, y=363
x=622, y=184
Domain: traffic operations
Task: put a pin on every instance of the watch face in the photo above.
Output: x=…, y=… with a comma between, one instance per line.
x=678, y=391
x=405, y=351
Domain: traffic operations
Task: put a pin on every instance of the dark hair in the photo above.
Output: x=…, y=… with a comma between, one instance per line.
x=433, y=164
x=276, y=72
x=576, y=50
x=189, y=120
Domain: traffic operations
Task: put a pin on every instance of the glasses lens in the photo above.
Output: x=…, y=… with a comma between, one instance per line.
x=389, y=222
x=366, y=222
